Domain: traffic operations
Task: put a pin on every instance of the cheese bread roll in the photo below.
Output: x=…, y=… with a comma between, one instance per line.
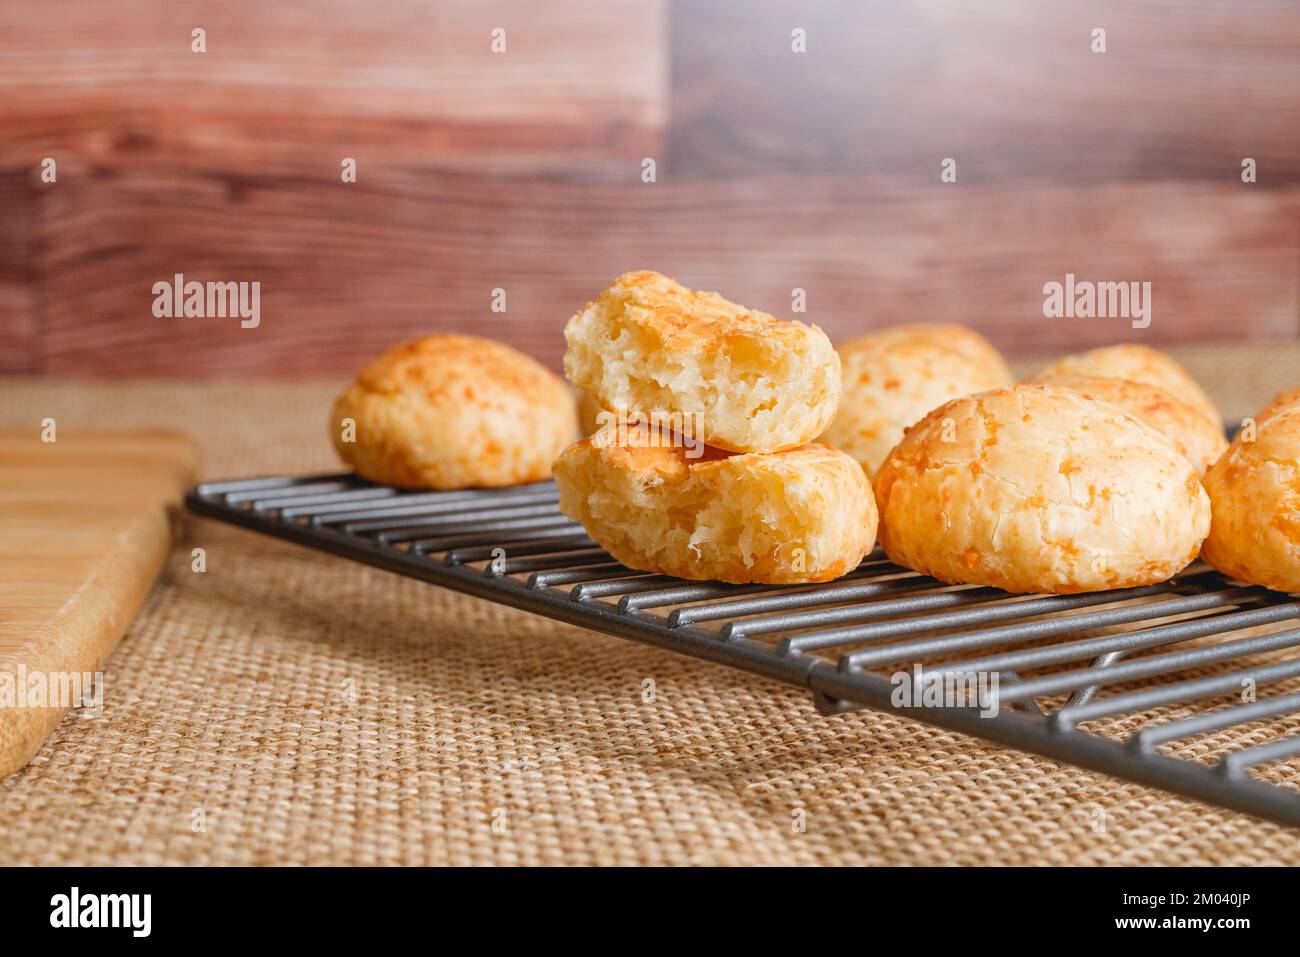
x=892, y=378
x=1255, y=490
x=802, y=515
x=450, y=411
x=1039, y=489
x=1198, y=439
x=1138, y=364
x=648, y=346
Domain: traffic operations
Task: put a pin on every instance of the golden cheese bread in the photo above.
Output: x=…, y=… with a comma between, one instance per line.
x=892, y=378
x=754, y=383
x=1255, y=492
x=1138, y=364
x=1198, y=439
x=452, y=411
x=801, y=515
x=1039, y=489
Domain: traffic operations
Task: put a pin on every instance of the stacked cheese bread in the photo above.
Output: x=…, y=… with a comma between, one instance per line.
x=748, y=497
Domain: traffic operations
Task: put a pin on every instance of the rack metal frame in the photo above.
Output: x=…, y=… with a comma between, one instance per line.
x=513, y=546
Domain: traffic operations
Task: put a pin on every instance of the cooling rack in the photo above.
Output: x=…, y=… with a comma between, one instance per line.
x=1107, y=681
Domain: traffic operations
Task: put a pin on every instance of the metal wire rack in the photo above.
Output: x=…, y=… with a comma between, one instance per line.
x=1172, y=660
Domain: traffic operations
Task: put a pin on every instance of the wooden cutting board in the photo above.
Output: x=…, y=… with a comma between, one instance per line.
x=86, y=522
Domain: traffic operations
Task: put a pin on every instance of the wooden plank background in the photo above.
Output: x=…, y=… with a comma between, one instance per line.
x=522, y=170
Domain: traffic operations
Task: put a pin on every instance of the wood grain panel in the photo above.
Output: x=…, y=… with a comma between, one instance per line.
x=347, y=270
x=1010, y=88
x=296, y=87
x=19, y=318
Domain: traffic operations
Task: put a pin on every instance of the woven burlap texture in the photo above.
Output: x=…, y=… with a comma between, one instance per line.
x=290, y=708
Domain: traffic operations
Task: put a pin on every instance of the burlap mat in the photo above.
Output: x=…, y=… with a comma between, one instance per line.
x=290, y=708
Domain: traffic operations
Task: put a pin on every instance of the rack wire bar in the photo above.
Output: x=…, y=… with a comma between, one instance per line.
x=864, y=640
